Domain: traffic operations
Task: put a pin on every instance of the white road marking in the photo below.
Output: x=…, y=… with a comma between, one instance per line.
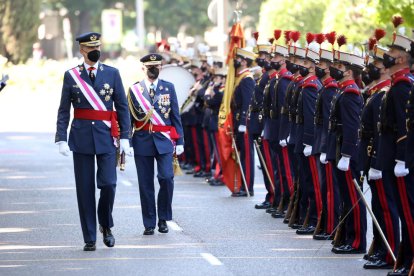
x=211, y=259
x=174, y=226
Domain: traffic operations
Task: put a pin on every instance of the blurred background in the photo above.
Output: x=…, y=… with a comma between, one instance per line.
x=37, y=38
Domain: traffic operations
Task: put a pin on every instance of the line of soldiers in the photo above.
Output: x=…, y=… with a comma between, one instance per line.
x=321, y=121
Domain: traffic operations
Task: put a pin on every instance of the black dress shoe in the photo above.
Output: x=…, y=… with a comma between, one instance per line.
x=216, y=183
x=89, y=246
x=347, y=249
x=162, y=226
x=207, y=174
x=296, y=226
x=278, y=214
x=149, y=231
x=286, y=220
x=241, y=194
x=263, y=205
x=306, y=231
x=108, y=238
x=378, y=264
x=399, y=272
x=323, y=237
x=210, y=179
x=271, y=210
x=199, y=174
x=187, y=167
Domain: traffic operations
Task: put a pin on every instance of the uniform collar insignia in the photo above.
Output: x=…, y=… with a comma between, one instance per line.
x=81, y=67
x=161, y=87
x=101, y=68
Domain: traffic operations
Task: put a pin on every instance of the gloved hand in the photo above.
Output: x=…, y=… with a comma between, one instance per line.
x=4, y=78
x=283, y=143
x=343, y=163
x=322, y=158
x=63, y=148
x=307, y=151
x=179, y=149
x=288, y=139
x=125, y=147
x=242, y=128
x=374, y=174
x=400, y=170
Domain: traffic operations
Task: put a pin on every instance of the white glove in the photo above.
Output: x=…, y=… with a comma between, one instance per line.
x=374, y=174
x=179, y=149
x=283, y=143
x=400, y=170
x=4, y=78
x=242, y=128
x=343, y=163
x=322, y=158
x=288, y=139
x=63, y=148
x=262, y=134
x=307, y=151
x=125, y=147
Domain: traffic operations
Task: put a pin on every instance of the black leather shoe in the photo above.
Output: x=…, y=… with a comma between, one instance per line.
x=263, y=205
x=241, y=194
x=108, y=238
x=347, y=249
x=271, y=210
x=306, y=231
x=323, y=237
x=148, y=231
x=286, y=220
x=187, y=167
x=210, y=179
x=378, y=264
x=162, y=226
x=216, y=183
x=278, y=214
x=296, y=226
x=399, y=272
x=199, y=174
x=89, y=246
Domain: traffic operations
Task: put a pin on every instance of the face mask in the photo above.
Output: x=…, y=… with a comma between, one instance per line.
x=374, y=72
x=336, y=73
x=267, y=66
x=153, y=73
x=94, y=55
x=276, y=65
x=236, y=63
x=260, y=62
x=320, y=73
x=303, y=71
x=203, y=69
x=293, y=68
x=366, y=79
x=389, y=61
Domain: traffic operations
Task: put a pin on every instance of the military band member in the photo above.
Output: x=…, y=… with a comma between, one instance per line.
x=158, y=134
x=240, y=104
x=93, y=89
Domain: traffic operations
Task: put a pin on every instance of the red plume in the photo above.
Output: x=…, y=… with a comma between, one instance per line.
x=310, y=37
x=331, y=37
x=287, y=36
x=277, y=34
x=256, y=35
x=271, y=40
x=320, y=38
x=397, y=20
x=379, y=33
x=158, y=44
x=295, y=35
x=371, y=43
x=341, y=40
x=167, y=47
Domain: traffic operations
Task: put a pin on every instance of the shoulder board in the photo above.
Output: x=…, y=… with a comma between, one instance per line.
x=165, y=82
x=288, y=77
x=352, y=89
x=332, y=84
x=404, y=78
x=311, y=82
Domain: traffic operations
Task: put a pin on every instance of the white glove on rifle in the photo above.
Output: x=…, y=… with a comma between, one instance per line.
x=242, y=128
x=179, y=149
x=307, y=151
x=343, y=163
x=125, y=147
x=283, y=143
x=63, y=148
x=400, y=170
x=374, y=174
x=322, y=158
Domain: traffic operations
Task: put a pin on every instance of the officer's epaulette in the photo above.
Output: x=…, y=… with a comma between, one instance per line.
x=330, y=83
x=285, y=74
x=297, y=79
x=312, y=81
x=350, y=86
x=402, y=76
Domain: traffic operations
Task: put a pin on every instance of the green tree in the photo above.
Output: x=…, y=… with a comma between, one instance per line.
x=405, y=8
x=18, y=28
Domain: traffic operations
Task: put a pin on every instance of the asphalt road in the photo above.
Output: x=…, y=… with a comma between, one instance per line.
x=211, y=234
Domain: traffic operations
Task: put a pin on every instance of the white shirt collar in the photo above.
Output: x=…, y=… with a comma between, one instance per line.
x=96, y=65
x=148, y=84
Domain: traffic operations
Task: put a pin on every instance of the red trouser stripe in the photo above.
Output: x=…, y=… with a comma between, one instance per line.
x=269, y=166
x=387, y=216
x=247, y=156
x=356, y=211
x=207, y=151
x=282, y=189
x=330, y=199
x=406, y=209
x=288, y=171
x=315, y=180
x=196, y=149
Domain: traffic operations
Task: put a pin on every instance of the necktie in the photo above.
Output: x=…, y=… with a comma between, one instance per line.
x=152, y=91
x=91, y=74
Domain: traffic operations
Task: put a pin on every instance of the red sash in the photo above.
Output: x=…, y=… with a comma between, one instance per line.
x=158, y=128
x=90, y=114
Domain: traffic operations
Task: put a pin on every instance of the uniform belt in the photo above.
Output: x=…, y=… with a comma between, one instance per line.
x=91, y=114
x=157, y=128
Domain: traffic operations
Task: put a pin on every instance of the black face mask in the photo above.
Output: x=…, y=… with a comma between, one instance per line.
x=320, y=73
x=303, y=71
x=260, y=62
x=336, y=73
x=236, y=63
x=374, y=72
x=267, y=66
x=153, y=73
x=94, y=55
x=276, y=65
x=366, y=79
x=203, y=69
x=389, y=61
x=293, y=68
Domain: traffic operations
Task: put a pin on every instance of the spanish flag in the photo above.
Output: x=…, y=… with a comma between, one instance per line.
x=230, y=167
